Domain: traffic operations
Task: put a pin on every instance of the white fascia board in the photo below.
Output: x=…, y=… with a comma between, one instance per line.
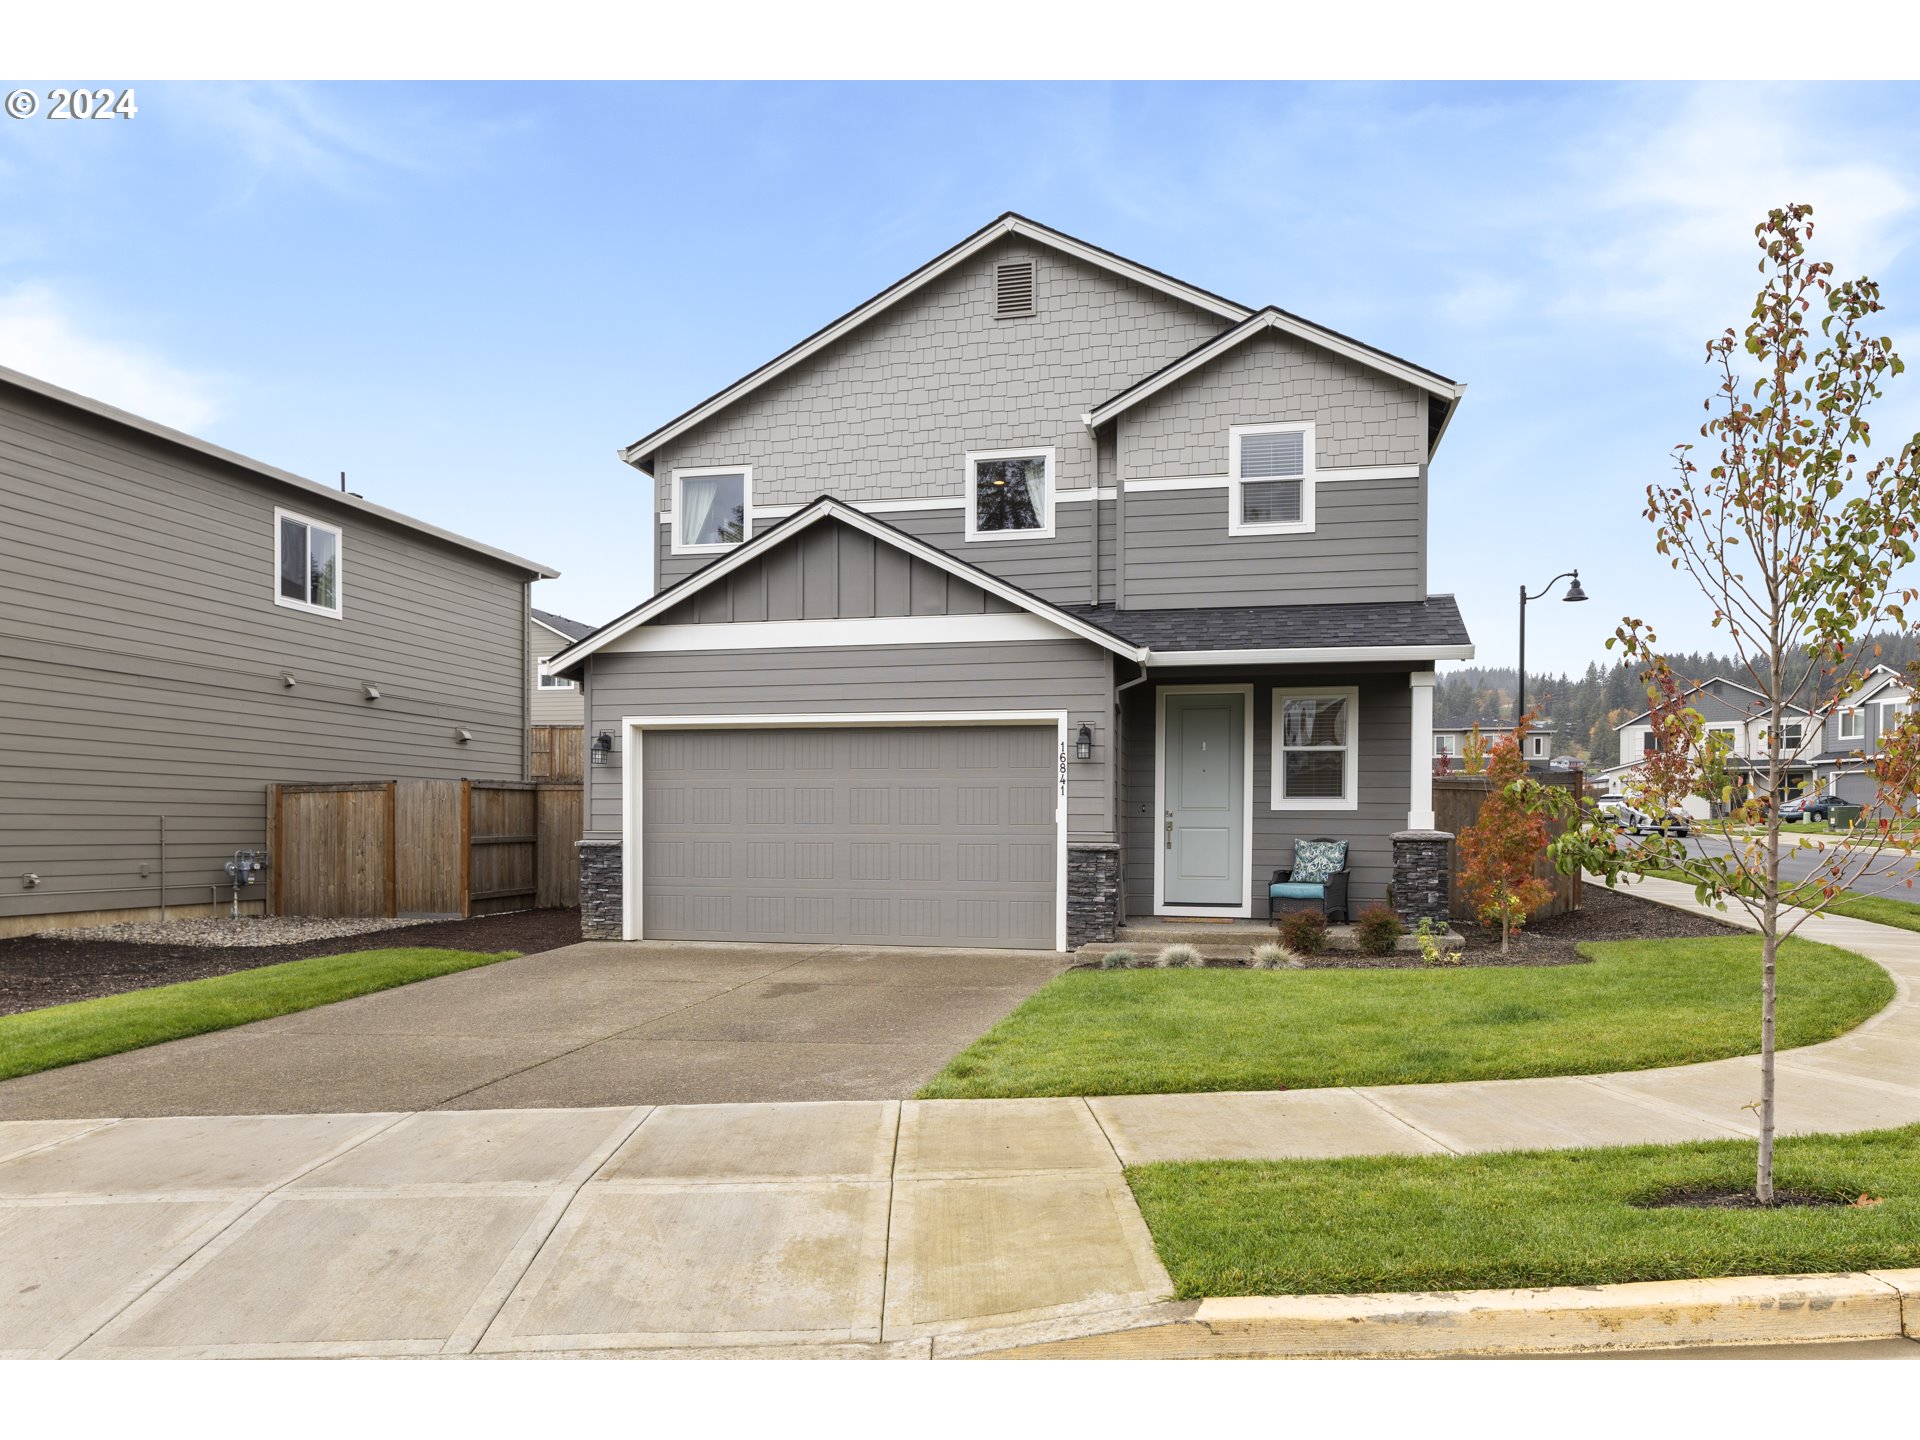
x=966, y=250
x=1286, y=324
x=815, y=634
x=834, y=509
x=1191, y=659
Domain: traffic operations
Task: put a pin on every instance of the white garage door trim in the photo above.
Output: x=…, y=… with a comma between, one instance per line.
x=633, y=727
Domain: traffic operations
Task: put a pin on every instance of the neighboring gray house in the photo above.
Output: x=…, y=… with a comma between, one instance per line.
x=1736, y=711
x=556, y=698
x=1450, y=739
x=1854, y=728
x=180, y=626
x=1040, y=589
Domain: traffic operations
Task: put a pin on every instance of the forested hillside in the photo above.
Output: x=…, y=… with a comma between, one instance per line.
x=1588, y=707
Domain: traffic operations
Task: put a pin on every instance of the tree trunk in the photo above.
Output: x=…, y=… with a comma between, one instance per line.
x=1770, y=924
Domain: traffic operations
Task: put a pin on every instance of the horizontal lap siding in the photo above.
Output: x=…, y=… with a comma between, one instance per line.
x=142, y=662
x=550, y=707
x=1386, y=719
x=1365, y=546
x=1070, y=675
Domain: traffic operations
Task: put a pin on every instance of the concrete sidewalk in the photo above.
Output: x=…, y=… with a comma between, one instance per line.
x=868, y=1228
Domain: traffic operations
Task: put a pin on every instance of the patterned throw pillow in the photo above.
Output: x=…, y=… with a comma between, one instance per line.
x=1315, y=860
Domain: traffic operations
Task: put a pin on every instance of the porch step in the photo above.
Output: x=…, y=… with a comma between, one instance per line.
x=1236, y=940
x=1194, y=932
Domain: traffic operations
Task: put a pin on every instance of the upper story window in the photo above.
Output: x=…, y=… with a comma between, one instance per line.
x=712, y=509
x=1013, y=289
x=1890, y=713
x=554, y=682
x=1443, y=745
x=1316, y=764
x=1270, y=479
x=1538, y=744
x=1649, y=742
x=1792, y=734
x=306, y=563
x=1010, y=494
x=1853, y=724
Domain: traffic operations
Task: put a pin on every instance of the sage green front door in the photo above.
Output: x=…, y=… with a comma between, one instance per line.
x=1202, y=833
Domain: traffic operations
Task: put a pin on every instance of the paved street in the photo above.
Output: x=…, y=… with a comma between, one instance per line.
x=589, y=1024
x=1803, y=861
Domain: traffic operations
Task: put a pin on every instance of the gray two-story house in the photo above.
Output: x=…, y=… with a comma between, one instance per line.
x=181, y=626
x=1039, y=590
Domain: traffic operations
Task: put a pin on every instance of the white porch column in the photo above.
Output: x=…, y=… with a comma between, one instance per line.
x=1420, y=791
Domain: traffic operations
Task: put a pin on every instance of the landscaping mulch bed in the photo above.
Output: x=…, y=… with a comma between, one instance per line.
x=54, y=969
x=1603, y=915
x=1747, y=1200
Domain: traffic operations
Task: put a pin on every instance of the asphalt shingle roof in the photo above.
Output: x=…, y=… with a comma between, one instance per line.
x=572, y=629
x=1433, y=621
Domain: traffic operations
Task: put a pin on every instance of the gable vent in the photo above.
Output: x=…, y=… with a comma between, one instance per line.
x=1013, y=289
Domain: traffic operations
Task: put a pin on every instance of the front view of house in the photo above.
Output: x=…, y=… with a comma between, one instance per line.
x=1039, y=591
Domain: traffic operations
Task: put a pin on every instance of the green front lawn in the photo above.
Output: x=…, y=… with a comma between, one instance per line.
x=1881, y=909
x=1557, y=1217
x=1641, y=1003
x=88, y=1029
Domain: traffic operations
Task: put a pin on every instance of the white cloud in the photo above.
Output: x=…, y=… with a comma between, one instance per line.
x=40, y=336
x=1678, y=189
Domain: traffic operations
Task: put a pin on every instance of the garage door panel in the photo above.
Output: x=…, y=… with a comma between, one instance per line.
x=934, y=835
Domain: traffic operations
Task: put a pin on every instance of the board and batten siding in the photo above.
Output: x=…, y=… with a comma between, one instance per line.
x=1068, y=674
x=143, y=662
x=550, y=707
x=1385, y=781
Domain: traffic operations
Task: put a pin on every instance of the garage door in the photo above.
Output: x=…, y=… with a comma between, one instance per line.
x=908, y=836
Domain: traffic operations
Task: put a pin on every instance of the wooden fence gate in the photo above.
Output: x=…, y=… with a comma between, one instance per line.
x=422, y=847
x=558, y=751
x=1456, y=806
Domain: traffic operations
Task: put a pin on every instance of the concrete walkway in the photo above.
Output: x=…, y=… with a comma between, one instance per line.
x=874, y=1228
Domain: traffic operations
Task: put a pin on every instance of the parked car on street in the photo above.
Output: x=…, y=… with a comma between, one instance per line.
x=1624, y=816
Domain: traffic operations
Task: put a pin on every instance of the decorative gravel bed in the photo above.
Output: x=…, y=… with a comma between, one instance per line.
x=68, y=965
x=220, y=933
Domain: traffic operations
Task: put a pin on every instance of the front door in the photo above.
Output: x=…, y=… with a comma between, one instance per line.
x=1203, y=829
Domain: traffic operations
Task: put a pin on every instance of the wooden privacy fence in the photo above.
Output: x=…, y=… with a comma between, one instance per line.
x=422, y=847
x=558, y=751
x=1456, y=806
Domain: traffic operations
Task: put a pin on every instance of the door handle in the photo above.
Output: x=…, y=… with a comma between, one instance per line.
x=1169, y=829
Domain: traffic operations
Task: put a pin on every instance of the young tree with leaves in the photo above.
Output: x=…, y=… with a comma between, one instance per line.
x=1799, y=544
x=1499, y=850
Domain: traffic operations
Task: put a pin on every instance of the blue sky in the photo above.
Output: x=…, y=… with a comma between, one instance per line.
x=467, y=296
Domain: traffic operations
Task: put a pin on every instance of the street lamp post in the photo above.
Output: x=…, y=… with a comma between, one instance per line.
x=1573, y=596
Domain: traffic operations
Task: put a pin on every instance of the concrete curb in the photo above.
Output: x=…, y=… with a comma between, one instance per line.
x=1646, y=1315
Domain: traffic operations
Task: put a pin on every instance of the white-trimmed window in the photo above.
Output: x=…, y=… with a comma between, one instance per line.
x=306, y=564
x=1270, y=479
x=712, y=509
x=1443, y=745
x=1853, y=724
x=1316, y=748
x=1793, y=734
x=1539, y=746
x=1010, y=494
x=554, y=682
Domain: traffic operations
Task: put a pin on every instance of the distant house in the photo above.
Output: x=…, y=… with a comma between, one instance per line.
x=1855, y=726
x=556, y=699
x=1450, y=738
x=1738, y=712
x=181, y=626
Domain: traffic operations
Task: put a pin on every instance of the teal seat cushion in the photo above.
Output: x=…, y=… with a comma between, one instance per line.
x=1315, y=860
x=1294, y=890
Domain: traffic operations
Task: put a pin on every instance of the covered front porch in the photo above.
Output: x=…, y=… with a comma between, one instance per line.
x=1222, y=768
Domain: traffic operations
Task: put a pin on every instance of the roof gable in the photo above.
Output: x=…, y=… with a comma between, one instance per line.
x=672, y=602
x=1272, y=318
x=1007, y=224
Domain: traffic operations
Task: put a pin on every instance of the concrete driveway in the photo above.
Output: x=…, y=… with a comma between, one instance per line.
x=595, y=1024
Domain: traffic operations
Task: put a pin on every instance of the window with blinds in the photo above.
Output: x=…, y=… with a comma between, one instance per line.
x=1270, y=477
x=1273, y=475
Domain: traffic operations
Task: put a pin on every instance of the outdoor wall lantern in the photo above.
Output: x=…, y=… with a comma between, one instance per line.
x=1083, y=747
x=603, y=748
